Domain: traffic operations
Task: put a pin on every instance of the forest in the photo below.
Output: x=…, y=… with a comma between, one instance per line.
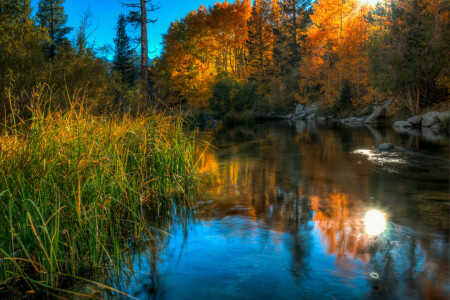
x=100, y=152
x=269, y=55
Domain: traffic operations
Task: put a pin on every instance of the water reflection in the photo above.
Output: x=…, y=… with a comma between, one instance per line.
x=375, y=222
x=304, y=211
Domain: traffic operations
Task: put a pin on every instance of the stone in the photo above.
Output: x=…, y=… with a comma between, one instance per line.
x=298, y=109
x=386, y=147
x=311, y=109
x=444, y=115
x=311, y=117
x=321, y=119
x=301, y=116
x=415, y=121
x=430, y=118
x=402, y=124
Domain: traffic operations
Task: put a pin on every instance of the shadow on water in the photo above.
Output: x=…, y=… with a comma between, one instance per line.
x=285, y=214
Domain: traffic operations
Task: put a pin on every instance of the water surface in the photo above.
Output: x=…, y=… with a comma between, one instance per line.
x=284, y=215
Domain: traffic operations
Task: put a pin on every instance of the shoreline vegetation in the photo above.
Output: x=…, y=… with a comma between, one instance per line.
x=77, y=189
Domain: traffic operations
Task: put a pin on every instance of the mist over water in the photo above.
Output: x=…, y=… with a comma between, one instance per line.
x=304, y=211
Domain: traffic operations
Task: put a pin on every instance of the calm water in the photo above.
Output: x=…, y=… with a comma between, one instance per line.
x=307, y=211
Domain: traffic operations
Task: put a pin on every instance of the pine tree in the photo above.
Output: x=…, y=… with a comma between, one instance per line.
x=294, y=22
x=260, y=45
x=123, y=59
x=51, y=16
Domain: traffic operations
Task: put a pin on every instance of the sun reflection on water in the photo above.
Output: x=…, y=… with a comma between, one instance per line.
x=375, y=222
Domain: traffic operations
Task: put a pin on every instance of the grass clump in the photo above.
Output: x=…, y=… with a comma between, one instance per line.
x=76, y=190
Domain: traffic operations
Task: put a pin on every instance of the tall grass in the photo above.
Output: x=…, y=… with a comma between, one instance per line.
x=76, y=190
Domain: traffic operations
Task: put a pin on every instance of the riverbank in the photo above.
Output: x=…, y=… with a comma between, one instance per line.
x=76, y=190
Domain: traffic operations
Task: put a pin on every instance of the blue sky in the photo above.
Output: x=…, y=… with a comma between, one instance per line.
x=105, y=13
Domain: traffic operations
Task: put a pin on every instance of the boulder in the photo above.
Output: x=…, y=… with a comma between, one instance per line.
x=386, y=147
x=444, y=115
x=311, y=117
x=415, y=121
x=298, y=109
x=311, y=109
x=402, y=124
x=430, y=118
x=321, y=119
x=301, y=116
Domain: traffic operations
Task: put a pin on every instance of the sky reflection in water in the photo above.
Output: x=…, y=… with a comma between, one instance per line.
x=299, y=211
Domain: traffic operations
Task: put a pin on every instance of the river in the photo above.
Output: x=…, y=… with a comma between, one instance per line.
x=306, y=211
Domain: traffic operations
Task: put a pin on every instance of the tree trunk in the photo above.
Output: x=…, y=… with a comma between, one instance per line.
x=144, y=51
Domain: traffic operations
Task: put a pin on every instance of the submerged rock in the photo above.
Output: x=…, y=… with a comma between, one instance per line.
x=386, y=147
x=402, y=124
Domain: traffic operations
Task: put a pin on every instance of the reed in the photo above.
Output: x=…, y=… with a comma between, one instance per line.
x=76, y=189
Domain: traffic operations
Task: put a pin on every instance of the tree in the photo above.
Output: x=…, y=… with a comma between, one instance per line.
x=51, y=16
x=139, y=18
x=409, y=54
x=294, y=23
x=18, y=10
x=123, y=59
x=260, y=45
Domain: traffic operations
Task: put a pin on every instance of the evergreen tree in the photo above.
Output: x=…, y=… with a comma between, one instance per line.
x=295, y=20
x=123, y=58
x=260, y=45
x=51, y=16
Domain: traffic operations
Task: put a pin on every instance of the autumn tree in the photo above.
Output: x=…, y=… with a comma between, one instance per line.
x=51, y=16
x=336, y=47
x=409, y=56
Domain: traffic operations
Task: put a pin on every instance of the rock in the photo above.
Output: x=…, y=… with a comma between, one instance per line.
x=430, y=118
x=321, y=119
x=402, y=124
x=386, y=147
x=415, y=121
x=311, y=117
x=290, y=116
x=311, y=109
x=298, y=109
x=301, y=116
x=378, y=111
x=444, y=115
